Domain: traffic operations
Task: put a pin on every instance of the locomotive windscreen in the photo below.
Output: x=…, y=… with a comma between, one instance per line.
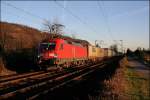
x=47, y=46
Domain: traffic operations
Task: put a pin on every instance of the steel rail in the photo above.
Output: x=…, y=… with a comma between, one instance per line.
x=11, y=85
x=62, y=84
x=30, y=76
x=15, y=76
x=42, y=83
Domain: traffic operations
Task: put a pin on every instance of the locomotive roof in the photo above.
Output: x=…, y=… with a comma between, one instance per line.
x=69, y=39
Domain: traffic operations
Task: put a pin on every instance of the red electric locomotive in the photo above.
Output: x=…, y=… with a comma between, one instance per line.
x=61, y=52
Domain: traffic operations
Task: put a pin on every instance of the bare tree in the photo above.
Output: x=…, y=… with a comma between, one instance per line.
x=48, y=26
x=3, y=40
x=53, y=28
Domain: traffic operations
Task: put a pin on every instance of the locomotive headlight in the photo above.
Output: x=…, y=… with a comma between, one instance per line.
x=51, y=54
x=38, y=56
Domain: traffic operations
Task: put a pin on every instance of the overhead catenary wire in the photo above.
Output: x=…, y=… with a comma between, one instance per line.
x=84, y=22
x=20, y=17
x=43, y=19
x=106, y=20
x=75, y=16
x=27, y=12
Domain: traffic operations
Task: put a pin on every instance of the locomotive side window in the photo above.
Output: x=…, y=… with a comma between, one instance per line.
x=61, y=47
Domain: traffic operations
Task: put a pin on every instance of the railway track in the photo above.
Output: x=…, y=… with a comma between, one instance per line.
x=12, y=79
x=16, y=76
x=31, y=87
x=16, y=82
x=23, y=75
x=64, y=81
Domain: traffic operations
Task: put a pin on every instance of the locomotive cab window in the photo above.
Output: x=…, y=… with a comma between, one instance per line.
x=61, y=47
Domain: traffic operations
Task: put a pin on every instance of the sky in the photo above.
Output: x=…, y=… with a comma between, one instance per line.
x=107, y=21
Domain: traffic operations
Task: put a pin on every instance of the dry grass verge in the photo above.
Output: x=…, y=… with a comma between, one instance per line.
x=127, y=84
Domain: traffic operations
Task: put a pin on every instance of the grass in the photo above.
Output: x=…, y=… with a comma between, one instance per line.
x=137, y=86
x=126, y=84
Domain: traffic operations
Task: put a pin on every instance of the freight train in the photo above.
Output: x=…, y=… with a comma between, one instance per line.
x=64, y=53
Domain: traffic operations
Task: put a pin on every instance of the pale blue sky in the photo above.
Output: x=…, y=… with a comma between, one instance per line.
x=90, y=20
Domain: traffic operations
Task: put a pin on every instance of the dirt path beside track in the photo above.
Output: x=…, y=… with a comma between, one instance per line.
x=138, y=78
x=130, y=82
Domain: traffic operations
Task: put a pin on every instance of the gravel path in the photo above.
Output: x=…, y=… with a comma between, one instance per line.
x=140, y=68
